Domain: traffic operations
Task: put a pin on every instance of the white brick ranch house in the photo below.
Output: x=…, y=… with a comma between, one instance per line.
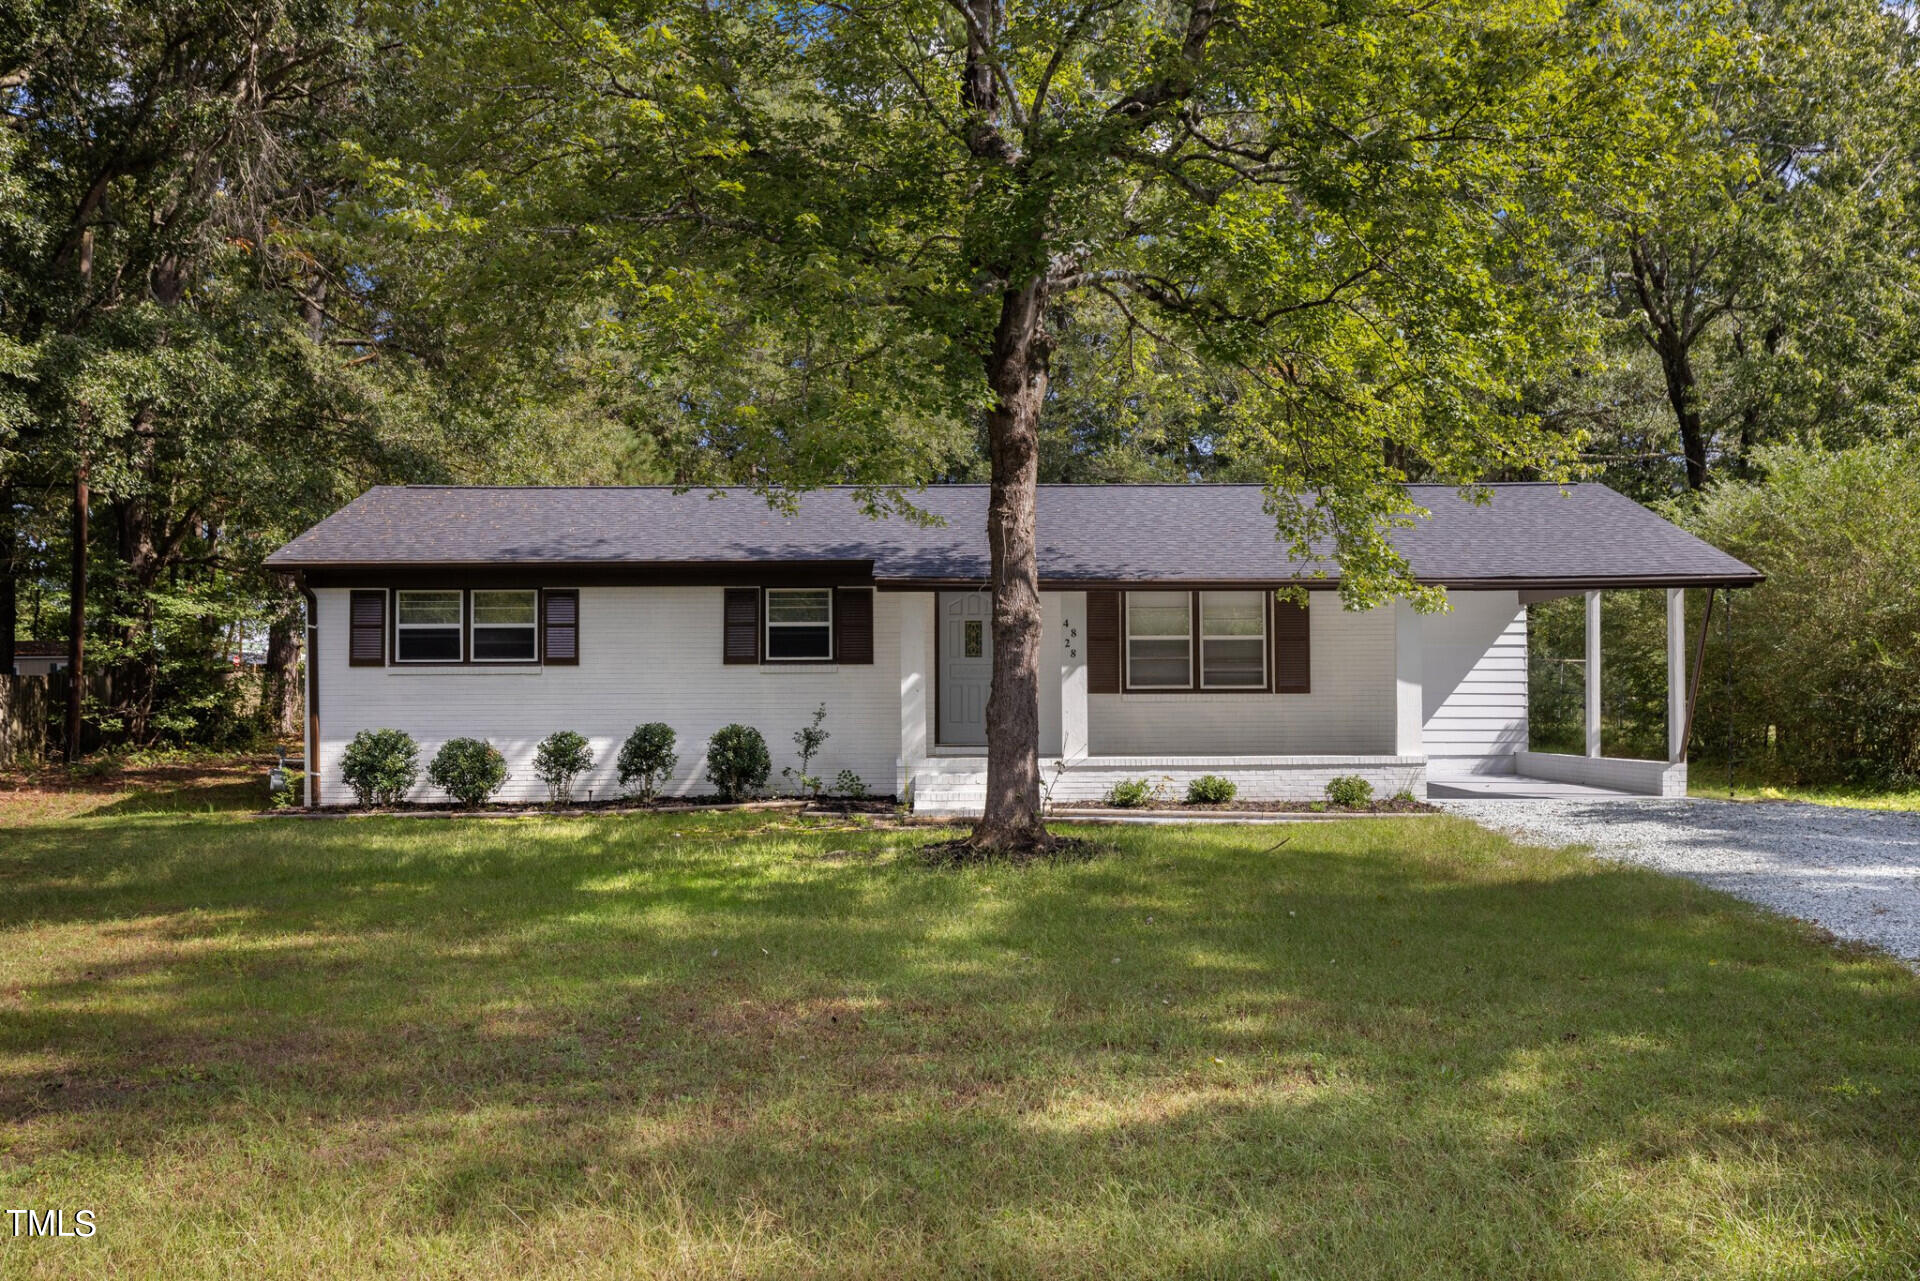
x=508, y=613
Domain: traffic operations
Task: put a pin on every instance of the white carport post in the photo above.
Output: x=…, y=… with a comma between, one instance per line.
x=1593, y=673
x=1676, y=675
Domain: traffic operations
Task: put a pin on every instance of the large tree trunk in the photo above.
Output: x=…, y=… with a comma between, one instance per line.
x=9, y=579
x=276, y=678
x=143, y=561
x=1669, y=329
x=1017, y=369
x=1676, y=364
x=77, y=616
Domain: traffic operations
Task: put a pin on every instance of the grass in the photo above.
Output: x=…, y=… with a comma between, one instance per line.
x=1711, y=782
x=735, y=1046
x=154, y=782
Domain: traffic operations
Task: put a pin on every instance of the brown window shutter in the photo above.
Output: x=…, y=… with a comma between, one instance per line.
x=742, y=625
x=853, y=624
x=1292, y=662
x=1103, y=642
x=367, y=646
x=560, y=628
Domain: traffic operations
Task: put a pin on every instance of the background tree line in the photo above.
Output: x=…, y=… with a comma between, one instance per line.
x=255, y=257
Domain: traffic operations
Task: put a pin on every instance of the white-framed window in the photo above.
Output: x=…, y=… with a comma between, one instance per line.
x=427, y=627
x=799, y=624
x=1159, y=640
x=505, y=626
x=1233, y=640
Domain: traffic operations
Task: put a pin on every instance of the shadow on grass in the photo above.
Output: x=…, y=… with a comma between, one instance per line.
x=221, y=785
x=1399, y=1046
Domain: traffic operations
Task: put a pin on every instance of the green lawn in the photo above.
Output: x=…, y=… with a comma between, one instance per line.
x=736, y=1046
x=1707, y=781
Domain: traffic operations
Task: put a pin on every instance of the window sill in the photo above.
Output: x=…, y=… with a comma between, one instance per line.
x=798, y=669
x=465, y=669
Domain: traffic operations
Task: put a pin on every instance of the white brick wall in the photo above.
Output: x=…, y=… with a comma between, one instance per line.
x=1475, y=684
x=646, y=654
x=1349, y=712
x=653, y=653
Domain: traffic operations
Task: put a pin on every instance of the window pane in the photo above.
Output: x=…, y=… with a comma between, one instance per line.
x=799, y=606
x=1233, y=613
x=799, y=642
x=1158, y=662
x=503, y=607
x=1158, y=614
x=428, y=645
x=1234, y=662
x=502, y=643
x=428, y=607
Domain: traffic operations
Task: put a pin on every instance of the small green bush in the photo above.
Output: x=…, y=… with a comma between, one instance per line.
x=737, y=761
x=1350, y=791
x=807, y=742
x=562, y=757
x=1211, y=789
x=647, y=758
x=381, y=766
x=468, y=769
x=1130, y=794
x=849, y=784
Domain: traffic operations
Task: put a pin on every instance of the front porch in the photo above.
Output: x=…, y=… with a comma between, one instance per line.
x=1430, y=705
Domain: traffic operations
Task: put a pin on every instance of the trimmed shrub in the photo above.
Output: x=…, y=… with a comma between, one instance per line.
x=468, y=769
x=737, y=761
x=562, y=757
x=381, y=766
x=647, y=758
x=1350, y=791
x=1130, y=794
x=849, y=784
x=1211, y=789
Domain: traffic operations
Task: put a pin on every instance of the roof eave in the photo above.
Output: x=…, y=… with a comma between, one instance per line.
x=641, y=572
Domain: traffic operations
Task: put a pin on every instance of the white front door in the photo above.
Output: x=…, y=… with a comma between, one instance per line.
x=966, y=667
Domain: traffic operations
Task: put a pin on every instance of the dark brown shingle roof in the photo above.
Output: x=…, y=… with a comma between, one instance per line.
x=1525, y=535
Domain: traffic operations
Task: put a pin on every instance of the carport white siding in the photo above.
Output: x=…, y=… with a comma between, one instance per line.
x=1475, y=673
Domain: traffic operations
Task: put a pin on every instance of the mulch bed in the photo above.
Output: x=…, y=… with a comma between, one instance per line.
x=839, y=806
x=1266, y=807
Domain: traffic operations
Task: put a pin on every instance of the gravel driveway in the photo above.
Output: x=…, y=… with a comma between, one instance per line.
x=1855, y=872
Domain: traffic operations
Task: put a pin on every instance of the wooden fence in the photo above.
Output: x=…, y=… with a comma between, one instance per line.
x=33, y=713
x=33, y=716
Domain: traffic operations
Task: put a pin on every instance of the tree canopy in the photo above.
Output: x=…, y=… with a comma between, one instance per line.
x=851, y=228
x=256, y=257
x=1758, y=275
